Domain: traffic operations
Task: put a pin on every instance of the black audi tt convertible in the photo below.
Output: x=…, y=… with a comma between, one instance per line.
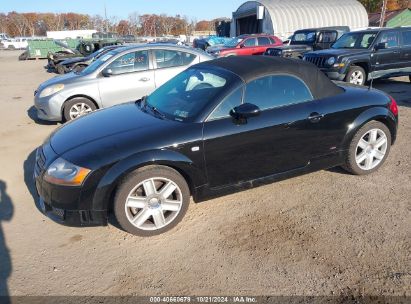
x=216, y=128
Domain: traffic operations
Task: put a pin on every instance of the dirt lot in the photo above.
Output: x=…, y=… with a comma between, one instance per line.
x=327, y=233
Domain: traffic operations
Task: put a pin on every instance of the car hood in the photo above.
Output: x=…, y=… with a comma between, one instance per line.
x=217, y=48
x=340, y=52
x=301, y=47
x=73, y=60
x=100, y=125
x=64, y=79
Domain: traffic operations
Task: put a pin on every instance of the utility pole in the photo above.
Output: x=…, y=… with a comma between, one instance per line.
x=383, y=11
x=105, y=17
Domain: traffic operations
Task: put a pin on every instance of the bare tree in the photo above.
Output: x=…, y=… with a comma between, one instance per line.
x=18, y=22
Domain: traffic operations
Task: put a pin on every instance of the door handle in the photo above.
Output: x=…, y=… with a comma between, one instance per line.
x=315, y=117
x=145, y=79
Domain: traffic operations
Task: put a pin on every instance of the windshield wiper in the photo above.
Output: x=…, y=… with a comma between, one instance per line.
x=155, y=111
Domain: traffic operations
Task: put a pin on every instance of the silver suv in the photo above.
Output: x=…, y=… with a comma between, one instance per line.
x=122, y=75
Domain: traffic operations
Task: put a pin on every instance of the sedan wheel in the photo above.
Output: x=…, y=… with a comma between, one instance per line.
x=368, y=149
x=76, y=107
x=79, y=109
x=151, y=200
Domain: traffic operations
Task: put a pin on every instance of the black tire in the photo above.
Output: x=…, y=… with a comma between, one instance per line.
x=24, y=56
x=11, y=47
x=351, y=163
x=76, y=101
x=352, y=71
x=133, y=180
x=60, y=69
x=79, y=68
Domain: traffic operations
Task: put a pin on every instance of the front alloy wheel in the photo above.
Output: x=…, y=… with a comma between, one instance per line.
x=76, y=107
x=151, y=200
x=369, y=148
x=79, y=109
x=154, y=203
x=356, y=75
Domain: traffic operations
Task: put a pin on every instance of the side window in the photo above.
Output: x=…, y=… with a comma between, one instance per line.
x=230, y=102
x=406, y=38
x=250, y=42
x=131, y=62
x=169, y=58
x=367, y=40
x=390, y=38
x=276, y=91
x=263, y=41
x=327, y=37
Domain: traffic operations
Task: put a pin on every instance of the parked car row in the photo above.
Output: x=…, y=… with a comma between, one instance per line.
x=119, y=75
x=355, y=57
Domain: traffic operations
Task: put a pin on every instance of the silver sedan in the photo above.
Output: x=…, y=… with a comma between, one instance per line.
x=122, y=75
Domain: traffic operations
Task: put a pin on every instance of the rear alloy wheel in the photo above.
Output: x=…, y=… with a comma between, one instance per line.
x=152, y=200
x=369, y=148
x=356, y=75
x=77, y=107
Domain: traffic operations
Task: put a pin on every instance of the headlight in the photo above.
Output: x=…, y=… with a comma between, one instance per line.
x=62, y=172
x=331, y=61
x=51, y=90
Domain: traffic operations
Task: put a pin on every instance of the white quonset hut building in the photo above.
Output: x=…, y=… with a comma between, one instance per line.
x=283, y=17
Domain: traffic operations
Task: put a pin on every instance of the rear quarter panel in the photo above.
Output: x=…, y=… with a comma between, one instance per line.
x=349, y=111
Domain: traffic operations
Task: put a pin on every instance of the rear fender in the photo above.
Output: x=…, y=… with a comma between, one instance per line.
x=381, y=114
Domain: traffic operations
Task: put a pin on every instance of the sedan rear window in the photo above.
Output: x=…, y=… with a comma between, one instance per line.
x=170, y=58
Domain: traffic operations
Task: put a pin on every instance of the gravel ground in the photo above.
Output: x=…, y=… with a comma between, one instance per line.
x=326, y=233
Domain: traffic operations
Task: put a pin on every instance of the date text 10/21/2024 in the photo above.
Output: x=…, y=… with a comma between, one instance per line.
x=204, y=299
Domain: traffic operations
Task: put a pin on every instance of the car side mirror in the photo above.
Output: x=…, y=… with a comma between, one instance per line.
x=380, y=46
x=244, y=111
x=107, y=72
x=242, y=46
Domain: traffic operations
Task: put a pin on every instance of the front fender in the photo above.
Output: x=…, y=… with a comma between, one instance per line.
x=194, y=176
x=381, y=114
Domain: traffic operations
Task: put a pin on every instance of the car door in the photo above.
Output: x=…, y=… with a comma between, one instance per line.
x=388, y=60
x=263, y=44
x=169, y=63
x=278, y=140
x=406, y=51
x=248, y=47
x=325, y=39
x=126, y=78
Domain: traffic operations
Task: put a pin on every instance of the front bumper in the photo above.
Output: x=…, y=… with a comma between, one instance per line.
x=334, y=75
x=50, y=107
x=63, y=204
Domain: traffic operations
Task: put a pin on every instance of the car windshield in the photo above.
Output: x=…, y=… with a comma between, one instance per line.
x=185, y=97
x=96, y=64
x=303, y=37
x=360, y=40
x=233, y=42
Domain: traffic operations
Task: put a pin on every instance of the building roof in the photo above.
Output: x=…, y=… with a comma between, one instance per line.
x=249, y=68
x=290, y=15
x=374, y=18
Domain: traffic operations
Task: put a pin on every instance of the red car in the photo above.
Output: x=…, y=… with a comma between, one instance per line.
x=245, y=45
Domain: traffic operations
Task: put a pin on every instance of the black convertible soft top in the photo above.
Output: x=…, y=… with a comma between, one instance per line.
x=249, y=68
